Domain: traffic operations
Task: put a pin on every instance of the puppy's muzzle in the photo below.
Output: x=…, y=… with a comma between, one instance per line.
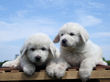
x=38, y=58
x=64, y=42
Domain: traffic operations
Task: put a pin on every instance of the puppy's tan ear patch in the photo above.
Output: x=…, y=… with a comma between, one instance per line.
x=57, y=39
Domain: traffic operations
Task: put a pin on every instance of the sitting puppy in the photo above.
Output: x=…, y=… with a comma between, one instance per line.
x=38, y=50
x=76, y=50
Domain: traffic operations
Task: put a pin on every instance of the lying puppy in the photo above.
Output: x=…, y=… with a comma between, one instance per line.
x=76, y=50
x=38, y=50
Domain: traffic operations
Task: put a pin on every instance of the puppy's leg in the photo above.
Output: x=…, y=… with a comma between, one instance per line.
x=15, y=63
x=29, y=69
x=86, y=68
x=61, y=69
x=56, y=69
x=27, y=66
x=102, y=62
x=50, y=68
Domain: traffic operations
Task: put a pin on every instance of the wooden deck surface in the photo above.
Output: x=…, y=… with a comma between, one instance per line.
x=10, y=74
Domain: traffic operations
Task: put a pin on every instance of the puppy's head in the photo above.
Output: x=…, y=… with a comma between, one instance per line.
x=38, y=48
x=71, y=35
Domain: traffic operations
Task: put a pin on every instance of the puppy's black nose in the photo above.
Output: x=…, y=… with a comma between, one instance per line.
x=38, y=58
x=64, y=41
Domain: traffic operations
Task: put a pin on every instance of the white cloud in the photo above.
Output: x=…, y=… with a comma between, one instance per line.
x=45, y=4
x=86, y=9
x=89, y=4
x=85, y=19
x=97, y=5
x=63, y=3
x=89, y=20
x=22, y=13
x=24, y=28
x=100, y=35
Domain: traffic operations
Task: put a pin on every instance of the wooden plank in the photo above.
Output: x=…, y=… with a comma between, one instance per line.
x=21, y=76
x=72, y=69
x=71, y=75
x=100, y=68
x=12, y=76
x=105, y=80
x=2, y=71
x=14, y=71
x=103, y=74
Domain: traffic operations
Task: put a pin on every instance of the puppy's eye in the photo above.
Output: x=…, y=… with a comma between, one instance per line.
x=32, y=49
x=62, y=34
x=43, y=48
x=72, y=34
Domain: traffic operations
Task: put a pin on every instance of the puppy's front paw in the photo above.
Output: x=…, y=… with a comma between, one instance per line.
x=55, y=71
x=59, y=72
x=85, y=74
x=50, y=70
x=28, y=71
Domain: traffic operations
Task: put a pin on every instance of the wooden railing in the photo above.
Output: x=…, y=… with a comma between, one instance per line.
x=101, y=73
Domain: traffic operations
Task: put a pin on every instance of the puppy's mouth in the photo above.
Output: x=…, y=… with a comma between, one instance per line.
x=64, y=45
x=38, y=62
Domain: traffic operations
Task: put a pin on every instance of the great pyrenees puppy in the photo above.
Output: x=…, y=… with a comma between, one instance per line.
x=38, y=50
x=76, y=50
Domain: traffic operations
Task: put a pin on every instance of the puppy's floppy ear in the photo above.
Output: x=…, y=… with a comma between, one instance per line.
x=57, y=39
x=23, y=50
x=54, y=50
x=84, y=34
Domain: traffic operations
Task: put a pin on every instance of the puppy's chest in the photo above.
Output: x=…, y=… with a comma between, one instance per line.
x=73, y=59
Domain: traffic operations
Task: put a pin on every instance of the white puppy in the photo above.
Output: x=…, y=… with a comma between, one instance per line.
x=38, y=50
x=76, y=50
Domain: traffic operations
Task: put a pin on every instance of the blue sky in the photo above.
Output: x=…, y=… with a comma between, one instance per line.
x=21, y=18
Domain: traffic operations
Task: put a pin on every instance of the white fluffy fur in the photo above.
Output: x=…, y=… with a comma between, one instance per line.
x=14, y=64
x=27, y=60
x=78, y=51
